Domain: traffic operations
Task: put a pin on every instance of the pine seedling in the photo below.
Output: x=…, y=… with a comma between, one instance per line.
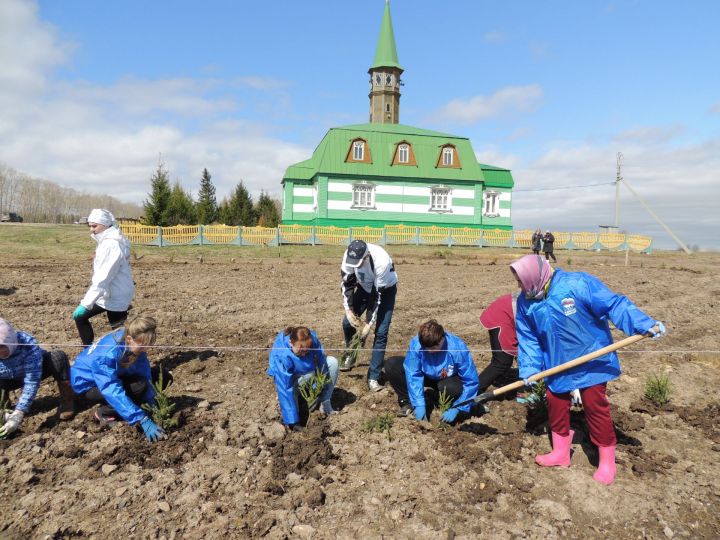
x=162, y=410
x=658, y=389
x=350, y=355
x=378, y=424
x=311, y=388
x=445, y=401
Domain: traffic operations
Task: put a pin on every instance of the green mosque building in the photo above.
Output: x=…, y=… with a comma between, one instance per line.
x=386, y=173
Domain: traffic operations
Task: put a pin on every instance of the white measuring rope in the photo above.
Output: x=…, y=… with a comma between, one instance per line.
x=252, y=348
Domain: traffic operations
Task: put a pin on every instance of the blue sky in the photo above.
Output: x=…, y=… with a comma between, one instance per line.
x=92, y=93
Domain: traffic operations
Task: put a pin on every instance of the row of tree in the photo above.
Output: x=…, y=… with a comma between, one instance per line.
x=41, y=201
x=167, y=206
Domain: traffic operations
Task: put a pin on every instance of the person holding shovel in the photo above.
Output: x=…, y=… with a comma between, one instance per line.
x=439, y=360
x=23, y=364
x=369, y=285
x=562, y=315
x=296, y=357
x=115, y=372
x=112, y=287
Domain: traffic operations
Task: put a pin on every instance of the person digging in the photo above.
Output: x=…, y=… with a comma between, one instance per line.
x=23, y=364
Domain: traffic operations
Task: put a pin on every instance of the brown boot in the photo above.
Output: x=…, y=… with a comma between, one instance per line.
x=66, y=410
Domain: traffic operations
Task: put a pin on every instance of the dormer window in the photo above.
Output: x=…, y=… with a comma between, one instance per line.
x=358, y=152
x=404, y=154
x=448, y=157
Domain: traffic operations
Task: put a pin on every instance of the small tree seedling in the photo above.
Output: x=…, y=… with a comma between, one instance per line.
x=445, y=401
x=378, y=424
x=311, y=388
x=658, y=389
x=350, y=355
x=162, y=410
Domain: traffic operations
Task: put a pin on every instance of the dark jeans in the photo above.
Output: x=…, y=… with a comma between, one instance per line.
x=55, y=364
x=115, y=318
x=395, y=373
x=135, y=387
x=499, y=371
x=382, y=327
x=549, y=254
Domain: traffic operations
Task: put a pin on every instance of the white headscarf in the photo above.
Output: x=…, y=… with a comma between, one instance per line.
x=101, y=216
x=8, y=336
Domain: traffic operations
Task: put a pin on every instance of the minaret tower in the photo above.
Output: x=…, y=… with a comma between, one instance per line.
x=385, y=76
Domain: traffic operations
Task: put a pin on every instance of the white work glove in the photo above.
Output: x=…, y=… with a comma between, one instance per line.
x=366, y=330
x=352, y=318
x=660, y=330
x=12, y=423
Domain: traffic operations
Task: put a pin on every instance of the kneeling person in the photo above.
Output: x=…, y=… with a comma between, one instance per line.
x=116, y=372
x=23, y=364
x=436, y=359
x=295, y=356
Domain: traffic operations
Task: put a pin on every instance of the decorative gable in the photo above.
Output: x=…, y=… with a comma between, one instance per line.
x=448, y=157
x=358, y=152
x=404, y=154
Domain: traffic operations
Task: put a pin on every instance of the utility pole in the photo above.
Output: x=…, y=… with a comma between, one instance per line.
x=618, y=179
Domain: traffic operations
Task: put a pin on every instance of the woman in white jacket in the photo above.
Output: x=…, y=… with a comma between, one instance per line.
x=112, y=288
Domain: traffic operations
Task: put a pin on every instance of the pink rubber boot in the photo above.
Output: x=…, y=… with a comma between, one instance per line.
x=560, y=455
x=606, y=470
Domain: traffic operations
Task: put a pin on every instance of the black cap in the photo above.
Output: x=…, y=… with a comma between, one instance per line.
x=356, y=251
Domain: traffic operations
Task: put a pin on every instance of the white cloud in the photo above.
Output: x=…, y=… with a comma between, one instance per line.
x=650, y=134
x=107, y=138
x=680, y=184
x=495, y=36
x=509, y=99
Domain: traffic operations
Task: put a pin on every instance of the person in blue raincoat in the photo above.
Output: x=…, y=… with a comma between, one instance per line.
x=561, y=316
x=436, y=359
x=116, y=373
x=295, y=356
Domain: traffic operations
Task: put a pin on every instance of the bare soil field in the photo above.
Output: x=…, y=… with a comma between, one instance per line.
x=230, y=470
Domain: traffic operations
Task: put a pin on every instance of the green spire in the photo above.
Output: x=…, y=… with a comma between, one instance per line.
x=386, y=53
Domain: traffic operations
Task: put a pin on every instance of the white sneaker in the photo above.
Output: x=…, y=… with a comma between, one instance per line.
x=374, y=386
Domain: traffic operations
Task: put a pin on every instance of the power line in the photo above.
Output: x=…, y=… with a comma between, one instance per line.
x=564, y=187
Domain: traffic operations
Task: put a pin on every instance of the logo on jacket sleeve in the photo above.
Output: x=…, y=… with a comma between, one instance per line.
x=568, y=305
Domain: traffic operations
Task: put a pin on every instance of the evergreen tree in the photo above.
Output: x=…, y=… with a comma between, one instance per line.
x=267, y=211
x=156, y=205
x=239, y=208
x=181, y=208
x=207, y=208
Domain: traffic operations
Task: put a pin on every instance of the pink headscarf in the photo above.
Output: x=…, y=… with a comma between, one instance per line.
x=533, y=272
x=8, y=336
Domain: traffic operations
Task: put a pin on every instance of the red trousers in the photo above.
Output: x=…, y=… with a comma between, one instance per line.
x=597, y=414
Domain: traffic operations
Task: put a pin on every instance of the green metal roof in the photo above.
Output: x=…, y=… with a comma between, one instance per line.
x=386, y=52
x=382, y=139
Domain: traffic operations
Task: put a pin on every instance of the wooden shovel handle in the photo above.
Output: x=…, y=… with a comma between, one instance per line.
x=564, y=367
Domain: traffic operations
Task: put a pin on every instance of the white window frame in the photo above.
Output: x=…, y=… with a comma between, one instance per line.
x=440, y=199
x=404, y=153
x=491, y=204
x=363, y=196
x=358, y=150
x=448, y=156
x=315, y=197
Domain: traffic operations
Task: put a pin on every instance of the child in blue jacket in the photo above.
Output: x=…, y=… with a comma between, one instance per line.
x=115, y=371
x=561, y=316
x=295, y=355
x=435, y=359
x=23, y=364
